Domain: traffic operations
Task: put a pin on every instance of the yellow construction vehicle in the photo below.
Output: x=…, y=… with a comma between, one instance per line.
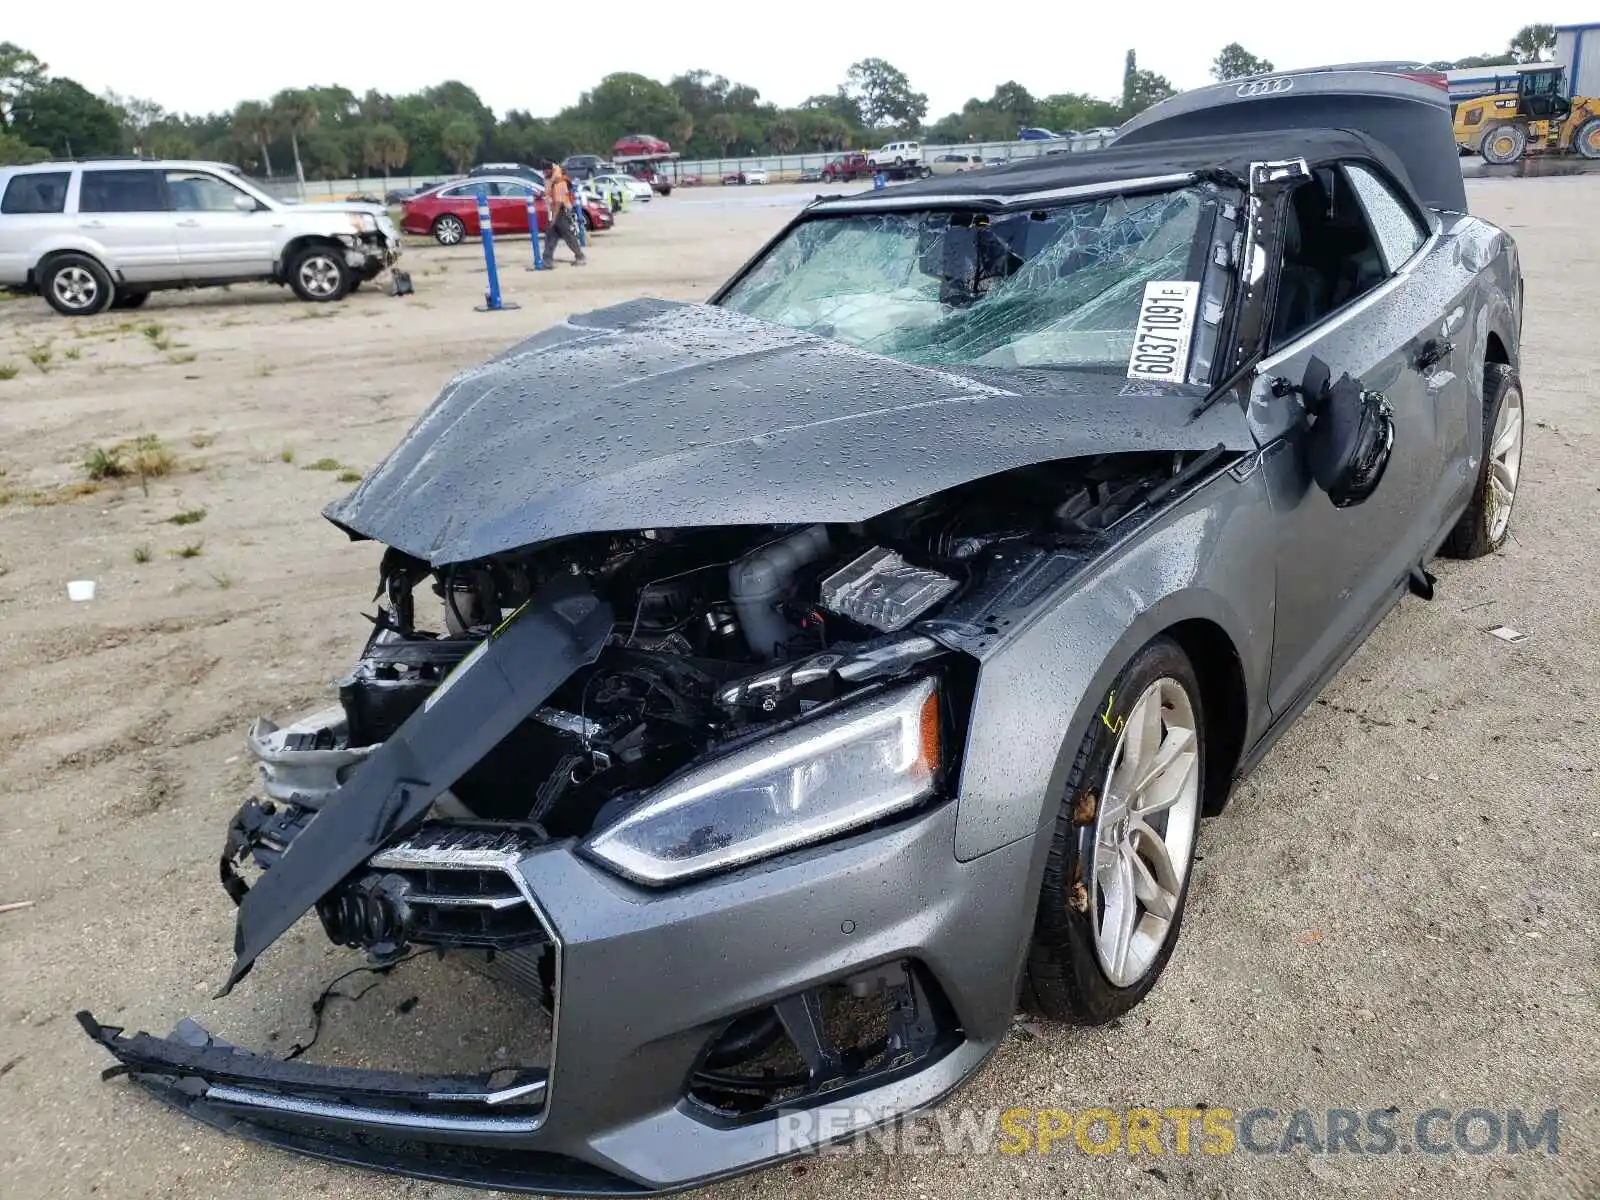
x=1529, y=113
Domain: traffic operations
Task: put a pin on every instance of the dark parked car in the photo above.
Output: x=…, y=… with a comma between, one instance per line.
x=776, y=745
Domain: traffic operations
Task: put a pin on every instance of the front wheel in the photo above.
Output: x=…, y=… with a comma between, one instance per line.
x=1122, y=851
x=76, y=285
x=1587, y=140
x=319, y=274
x=1503, y=144
x=1486, y=524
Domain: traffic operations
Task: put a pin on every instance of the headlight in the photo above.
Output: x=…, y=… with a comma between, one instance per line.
x=848, y=768
x=363, y=222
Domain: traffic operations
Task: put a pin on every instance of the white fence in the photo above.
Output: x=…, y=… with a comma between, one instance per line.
x=779, y=166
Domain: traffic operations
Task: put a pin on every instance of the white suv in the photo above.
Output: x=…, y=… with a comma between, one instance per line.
x=897, y=154
x=106, y=233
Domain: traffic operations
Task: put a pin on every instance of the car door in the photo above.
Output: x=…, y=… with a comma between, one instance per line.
x=223, y=231
x=125, y=211
x=1350, y=300
x=508, y=206
x=33, y=220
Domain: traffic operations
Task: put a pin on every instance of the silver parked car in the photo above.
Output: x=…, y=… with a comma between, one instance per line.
x=108, y=232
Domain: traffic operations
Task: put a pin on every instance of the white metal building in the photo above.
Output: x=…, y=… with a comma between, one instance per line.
x=1578, y=49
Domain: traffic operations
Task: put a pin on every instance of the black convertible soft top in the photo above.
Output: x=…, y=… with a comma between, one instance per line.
x=1038, y=178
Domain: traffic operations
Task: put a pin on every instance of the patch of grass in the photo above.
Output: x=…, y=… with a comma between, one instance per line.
x=162, y=344
x=127, y=326
x=9, y=370
x=222, y=579
x=189, y=516
x=142, y=553
x=72, y=352
x=349, y=476
x=287, y=454
x=191, y=550
x=153, y=331
x=105, y=462
x=152, y=459
x=324, y=464
x=180, y=359
x=201, y=440
x=40, y=356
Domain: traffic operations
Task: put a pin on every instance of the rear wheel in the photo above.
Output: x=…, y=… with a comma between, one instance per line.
x=449, y=230
x=1486, y=524
x=1118, y=871
x=76, y=285
x=319, y=274
x=1587, y=140
x=1503, y=144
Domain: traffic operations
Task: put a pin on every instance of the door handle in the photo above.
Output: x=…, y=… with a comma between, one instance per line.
x=91, y=225
x=190, y=223
x=1433, y=353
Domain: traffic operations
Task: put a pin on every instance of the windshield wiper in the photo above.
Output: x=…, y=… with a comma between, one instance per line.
x=1229, y=382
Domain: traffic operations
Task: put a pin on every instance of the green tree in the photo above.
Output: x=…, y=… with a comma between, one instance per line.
x=19, y=70
x=252, y=124
x=682, y=129
x=459, y=140
x=15, y=151
x=628, y=103
x=1233, y=61
x=783, y=135
x=66, y=118
x=1015, y=103
x=294, y=110
x=884, y=96
x=1533, y=43
x=723, y=131
x=1130, y=79
x=383, y=149
x=328, y=150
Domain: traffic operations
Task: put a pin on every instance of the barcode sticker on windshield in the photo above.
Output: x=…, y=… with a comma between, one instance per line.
x=1161, y=339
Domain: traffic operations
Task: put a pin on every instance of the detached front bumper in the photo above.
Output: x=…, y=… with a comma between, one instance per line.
x=644, y=984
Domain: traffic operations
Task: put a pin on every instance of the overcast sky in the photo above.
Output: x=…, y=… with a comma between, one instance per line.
x=203, y=55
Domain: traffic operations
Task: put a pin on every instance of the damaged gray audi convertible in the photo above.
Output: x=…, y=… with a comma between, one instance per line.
x=778, y=688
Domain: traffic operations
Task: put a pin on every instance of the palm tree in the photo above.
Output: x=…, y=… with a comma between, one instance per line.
x=459, y=141
x=682, y=130
x=294, y=111
x=252, y=123
x=384, y=150
x=783, y=136
x=723, y=130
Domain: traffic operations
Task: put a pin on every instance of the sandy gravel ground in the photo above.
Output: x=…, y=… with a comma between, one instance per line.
x=1399, y=907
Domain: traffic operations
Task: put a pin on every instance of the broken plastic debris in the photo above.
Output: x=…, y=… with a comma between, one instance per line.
x=1507, y=634
x=80, y=589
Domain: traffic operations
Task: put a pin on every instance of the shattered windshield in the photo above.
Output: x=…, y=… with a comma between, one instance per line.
x=1058, y=287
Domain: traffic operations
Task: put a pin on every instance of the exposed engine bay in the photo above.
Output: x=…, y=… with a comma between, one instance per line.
x=721, y=636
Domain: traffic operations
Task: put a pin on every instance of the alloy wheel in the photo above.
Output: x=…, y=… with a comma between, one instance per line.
x=75, y=287
x=320, y=275
x=449, y=231
x=1145, y=830
x=1505, y=463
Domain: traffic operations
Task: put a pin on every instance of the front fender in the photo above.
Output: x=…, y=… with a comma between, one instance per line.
x=1040, y=685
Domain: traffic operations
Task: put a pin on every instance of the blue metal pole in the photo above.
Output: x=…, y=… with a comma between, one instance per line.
x=491, y=298
x=533, y=230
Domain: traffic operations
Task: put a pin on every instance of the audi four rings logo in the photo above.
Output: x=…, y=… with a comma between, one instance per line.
x=1264, y=87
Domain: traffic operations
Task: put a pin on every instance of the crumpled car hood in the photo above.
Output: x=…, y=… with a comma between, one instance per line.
x=657, y=413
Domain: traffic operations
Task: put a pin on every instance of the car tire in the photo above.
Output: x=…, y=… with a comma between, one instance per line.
x=318, y=274
x=449, y=230
x=1587, y=140
x=1102, y=851
x=1503, y=144
x=123, y=298
x=1486, y=524
x=76, y=285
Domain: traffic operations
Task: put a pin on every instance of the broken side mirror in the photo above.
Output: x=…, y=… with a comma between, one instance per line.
x=1351, y=438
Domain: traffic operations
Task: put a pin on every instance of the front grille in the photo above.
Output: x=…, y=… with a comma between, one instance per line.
x=448, y=884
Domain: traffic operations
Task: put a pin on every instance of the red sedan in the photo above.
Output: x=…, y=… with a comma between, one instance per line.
x=450, y=213
x=632, y=145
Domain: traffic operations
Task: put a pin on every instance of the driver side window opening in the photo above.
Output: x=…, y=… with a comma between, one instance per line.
x=1330, y=255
